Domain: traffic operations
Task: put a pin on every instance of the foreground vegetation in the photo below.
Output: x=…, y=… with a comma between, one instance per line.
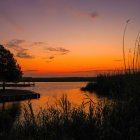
x=103, y=121
x=123, y=119
x=121, y=86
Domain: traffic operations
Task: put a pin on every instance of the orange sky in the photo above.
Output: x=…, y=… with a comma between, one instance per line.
x=68, y=38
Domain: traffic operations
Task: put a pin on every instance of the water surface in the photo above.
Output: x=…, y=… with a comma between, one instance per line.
x=51, y=91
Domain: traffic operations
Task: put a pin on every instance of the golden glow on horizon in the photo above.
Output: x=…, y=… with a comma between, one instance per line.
x=70, y=65
x=64, y=37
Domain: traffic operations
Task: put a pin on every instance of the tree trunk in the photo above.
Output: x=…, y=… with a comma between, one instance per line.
x=3, y=86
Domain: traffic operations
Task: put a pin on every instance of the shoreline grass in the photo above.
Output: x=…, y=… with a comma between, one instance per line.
x=105, y=120
x=116, y=85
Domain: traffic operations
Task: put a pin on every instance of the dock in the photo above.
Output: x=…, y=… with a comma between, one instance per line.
x=17, y=95
x=18, y=84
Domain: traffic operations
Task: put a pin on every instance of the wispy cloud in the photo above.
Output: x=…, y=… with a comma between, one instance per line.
x=54, y=51
x=93, y=14
x=22, y=47
x=17, y=45
x=51, y=50
x=23, y=54
x=85, y=14
x=51, y=57
x=58, y=50
x=38, y=43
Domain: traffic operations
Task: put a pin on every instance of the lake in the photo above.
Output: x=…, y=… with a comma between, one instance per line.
x=51, y=91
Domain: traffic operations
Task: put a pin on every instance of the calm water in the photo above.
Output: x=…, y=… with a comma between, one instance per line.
x=51, y=91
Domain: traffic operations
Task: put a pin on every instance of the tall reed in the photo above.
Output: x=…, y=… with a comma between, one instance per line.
x=133, y=64
x=124, y=33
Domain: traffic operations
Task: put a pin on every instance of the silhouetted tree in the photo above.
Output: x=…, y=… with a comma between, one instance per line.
x=10, y=71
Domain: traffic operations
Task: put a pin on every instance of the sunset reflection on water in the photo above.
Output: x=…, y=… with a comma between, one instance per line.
x=51, y=92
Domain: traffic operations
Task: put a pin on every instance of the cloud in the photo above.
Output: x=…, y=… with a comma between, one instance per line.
x=38, y=43
x=51, y=57
x=52, y=52
x=58, y=50
x=93, y=14
x=21, y=48
x=48, y=59
x=23, y=54
x=84, y=14
x=17, y=45
x=16, y=41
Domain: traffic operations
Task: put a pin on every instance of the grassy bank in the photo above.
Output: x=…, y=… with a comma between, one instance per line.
x=124, y=88
x=103, y=121
x=116, y=85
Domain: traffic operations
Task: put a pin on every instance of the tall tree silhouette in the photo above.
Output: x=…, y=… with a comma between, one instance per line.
x=10, y=71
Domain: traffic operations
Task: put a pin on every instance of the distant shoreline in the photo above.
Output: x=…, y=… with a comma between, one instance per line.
x=59, y=79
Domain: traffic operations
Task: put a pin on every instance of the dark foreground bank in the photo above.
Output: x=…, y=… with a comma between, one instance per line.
x=63, y=121
x=115, y=119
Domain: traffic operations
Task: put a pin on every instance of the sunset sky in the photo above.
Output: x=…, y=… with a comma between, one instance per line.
x=52, y=38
